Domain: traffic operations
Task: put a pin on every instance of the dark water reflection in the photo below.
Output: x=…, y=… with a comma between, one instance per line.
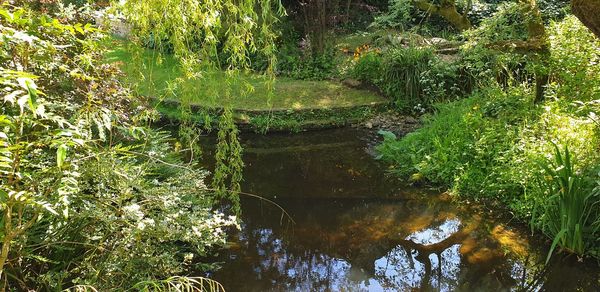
x=357, y=230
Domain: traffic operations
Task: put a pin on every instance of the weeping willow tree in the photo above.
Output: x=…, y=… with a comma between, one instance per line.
x=206, y=36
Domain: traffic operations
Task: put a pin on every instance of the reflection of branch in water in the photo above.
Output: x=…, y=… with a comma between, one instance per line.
x=426, y=250
x=532, y=278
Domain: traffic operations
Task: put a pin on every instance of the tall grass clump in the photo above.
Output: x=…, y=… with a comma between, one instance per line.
x=566, y=205
x=413, y=77
x=401, y=74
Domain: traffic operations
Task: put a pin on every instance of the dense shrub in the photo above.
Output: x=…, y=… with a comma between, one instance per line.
x=506, y=23
x=298, y=64
x=401, y=75
x=401, y=14
x=414, y=78
x=457, y=146
x=574, y=61
x=486, y=145
x=367, y=68
x=445, y=80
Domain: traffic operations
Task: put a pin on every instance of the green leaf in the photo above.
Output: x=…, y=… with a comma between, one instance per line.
x=557, y=238
x=387, y=135
x=32, y=93
x=61, y=155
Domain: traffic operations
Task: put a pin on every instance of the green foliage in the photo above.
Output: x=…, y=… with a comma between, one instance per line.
x=489, y=145
x=507, y=23
x=402, y=69
x=301, y=65
x=198, y=31
x=444, y=81
x=416, y=78
x=90, y=195
x=554, y=10
x=447, y=151
x=574, y=63
x=401, y=14
x=229, y=164
x=566, y=205
x=204, y=36
x=367, y=68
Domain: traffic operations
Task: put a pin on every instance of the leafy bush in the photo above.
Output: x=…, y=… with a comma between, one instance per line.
x=449, y=152
x=507, y=23
x=401, y=14
x=575, y=62
x=404, y=15
x=554, y=10
x=486, y=145
x=445, y=80
x=367, y=68
x=415, y=78
x=301, y=65
x=89, y=194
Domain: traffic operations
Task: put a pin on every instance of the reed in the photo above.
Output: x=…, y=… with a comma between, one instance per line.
x=566, y=207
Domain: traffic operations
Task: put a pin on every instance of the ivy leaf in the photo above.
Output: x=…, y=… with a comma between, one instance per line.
x=61, y=155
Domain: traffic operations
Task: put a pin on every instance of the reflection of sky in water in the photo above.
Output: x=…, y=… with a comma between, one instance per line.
x=269, y=260
x=437, y=234
x=307, y=271
x=400, y=269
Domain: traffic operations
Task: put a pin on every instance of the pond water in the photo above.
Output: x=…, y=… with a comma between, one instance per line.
x=356, y=229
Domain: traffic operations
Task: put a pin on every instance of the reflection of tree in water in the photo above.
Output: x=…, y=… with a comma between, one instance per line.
x=435, y=258
x=374, y=246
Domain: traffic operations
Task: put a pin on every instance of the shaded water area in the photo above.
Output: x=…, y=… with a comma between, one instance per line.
x=358, y=230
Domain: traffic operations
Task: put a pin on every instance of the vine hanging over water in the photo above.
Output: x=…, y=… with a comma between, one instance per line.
x=205, y=36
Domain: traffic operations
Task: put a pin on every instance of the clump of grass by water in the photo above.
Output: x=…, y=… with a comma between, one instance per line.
x=566, y=206
x=402, y=69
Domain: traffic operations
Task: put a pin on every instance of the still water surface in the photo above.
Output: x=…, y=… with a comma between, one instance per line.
x=356, y=229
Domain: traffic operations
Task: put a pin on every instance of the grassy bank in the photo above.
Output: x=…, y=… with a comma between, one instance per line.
x=284, y=103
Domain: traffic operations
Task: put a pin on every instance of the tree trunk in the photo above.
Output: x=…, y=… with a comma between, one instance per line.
x=536, y=32
x=536, y=44
x=447, y=10
x=588, y=11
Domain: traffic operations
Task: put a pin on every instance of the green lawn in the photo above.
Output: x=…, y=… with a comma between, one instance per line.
x=156, y=78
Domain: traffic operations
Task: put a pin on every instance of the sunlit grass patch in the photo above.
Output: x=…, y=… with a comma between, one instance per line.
x=158, y=75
